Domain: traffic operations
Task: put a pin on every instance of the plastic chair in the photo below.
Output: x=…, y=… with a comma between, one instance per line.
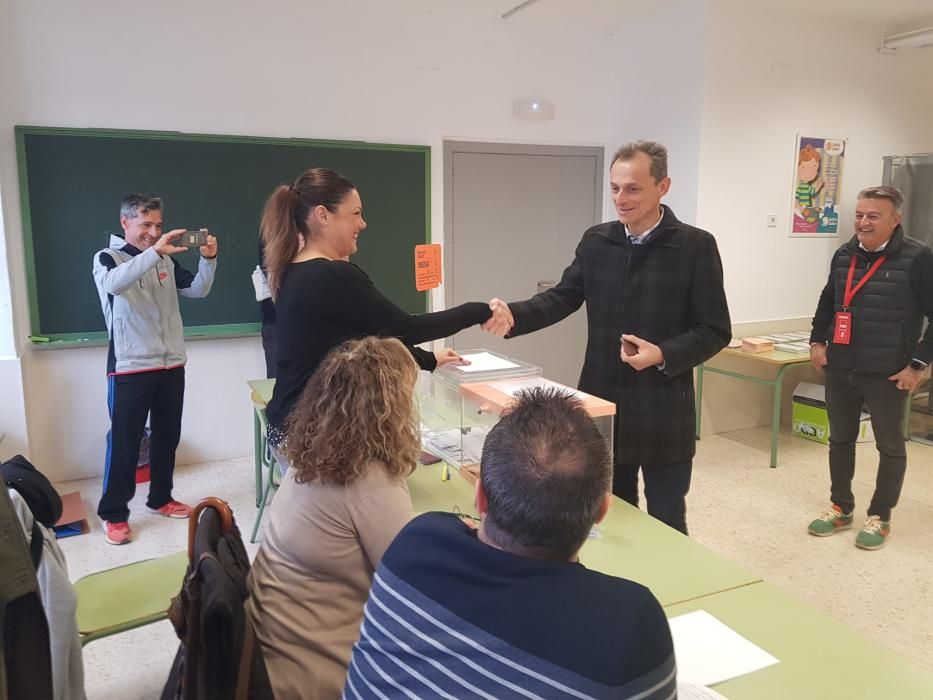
x=218, y=656
x=129, y=596
x=271, y=467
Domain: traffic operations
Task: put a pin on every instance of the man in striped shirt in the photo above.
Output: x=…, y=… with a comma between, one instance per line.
x=506, y=610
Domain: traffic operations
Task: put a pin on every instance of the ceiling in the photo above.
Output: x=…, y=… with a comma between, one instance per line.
x=896, y=15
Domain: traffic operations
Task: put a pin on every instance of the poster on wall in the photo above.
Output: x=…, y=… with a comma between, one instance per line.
x=819, y=165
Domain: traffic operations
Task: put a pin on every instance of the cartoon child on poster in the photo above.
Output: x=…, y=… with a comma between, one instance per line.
x=809, y=184
x=819, y=173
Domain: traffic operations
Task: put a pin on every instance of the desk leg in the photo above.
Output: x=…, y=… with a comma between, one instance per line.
x=776, y=414
x=257, y=454
x=699, y=406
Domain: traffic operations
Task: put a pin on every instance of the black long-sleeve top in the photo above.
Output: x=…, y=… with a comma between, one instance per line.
x=322, y=303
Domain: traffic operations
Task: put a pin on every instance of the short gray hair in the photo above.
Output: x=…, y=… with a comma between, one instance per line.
x=133, y=204
x=892, y=194
x=654, y=150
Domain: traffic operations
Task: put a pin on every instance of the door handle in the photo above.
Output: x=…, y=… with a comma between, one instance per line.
x=544, y=285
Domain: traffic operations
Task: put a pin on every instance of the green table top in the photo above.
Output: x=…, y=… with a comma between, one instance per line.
x=820, y=657
x=631, y=544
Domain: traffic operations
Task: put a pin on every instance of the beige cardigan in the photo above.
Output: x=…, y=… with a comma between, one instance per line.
x=311, y=577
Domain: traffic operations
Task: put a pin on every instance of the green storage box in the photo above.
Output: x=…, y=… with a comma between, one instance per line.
x=809, y=419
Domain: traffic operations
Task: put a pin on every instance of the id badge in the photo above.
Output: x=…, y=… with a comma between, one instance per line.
x=842, y=334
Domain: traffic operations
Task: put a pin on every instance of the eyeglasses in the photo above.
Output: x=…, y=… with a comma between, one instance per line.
x=465, y=516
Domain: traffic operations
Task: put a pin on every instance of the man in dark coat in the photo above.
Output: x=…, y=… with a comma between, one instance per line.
x=655, y=284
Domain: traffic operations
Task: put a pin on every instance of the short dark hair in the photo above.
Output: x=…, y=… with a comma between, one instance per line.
x=134, y=204
x=654, y=150
x=892, y=194
x=545, y=470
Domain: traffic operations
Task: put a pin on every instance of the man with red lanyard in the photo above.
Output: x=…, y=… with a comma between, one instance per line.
x=866, y=336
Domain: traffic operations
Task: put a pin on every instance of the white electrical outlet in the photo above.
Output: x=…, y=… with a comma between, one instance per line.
x=771, y=220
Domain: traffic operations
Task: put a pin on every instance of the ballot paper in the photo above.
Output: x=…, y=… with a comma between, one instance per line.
x=710, y=652
x=485, y=362
x=796, y=346
x=513, y=386
x=691, y=691
x=454, y=446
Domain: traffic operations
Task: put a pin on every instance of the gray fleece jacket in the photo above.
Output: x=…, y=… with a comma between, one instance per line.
x=139, y=296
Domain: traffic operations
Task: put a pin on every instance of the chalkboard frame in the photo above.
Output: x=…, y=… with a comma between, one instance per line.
x=98, y=338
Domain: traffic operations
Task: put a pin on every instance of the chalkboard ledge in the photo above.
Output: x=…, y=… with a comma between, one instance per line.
x=99, y=339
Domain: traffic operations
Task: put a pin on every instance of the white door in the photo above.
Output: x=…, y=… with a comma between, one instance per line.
x=514, y=221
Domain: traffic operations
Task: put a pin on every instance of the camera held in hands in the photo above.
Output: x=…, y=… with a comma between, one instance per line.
x=193, y=239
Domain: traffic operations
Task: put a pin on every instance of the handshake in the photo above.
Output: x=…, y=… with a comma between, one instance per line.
x=501, y=321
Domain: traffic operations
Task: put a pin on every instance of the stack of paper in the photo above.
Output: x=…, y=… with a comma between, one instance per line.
x=757, y=345
x=455, y=447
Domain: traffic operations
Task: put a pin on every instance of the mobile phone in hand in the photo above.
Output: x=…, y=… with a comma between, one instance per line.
x=193, y=239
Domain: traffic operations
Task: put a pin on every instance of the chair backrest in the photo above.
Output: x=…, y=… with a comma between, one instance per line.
x=218, y=656
x=25, y=657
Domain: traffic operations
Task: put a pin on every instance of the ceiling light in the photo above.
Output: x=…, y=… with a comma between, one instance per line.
x=909, y=40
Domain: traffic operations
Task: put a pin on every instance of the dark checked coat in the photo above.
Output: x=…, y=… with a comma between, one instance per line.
x=668, y=291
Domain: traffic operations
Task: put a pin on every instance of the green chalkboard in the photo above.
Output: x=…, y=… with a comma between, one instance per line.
x=72, y=181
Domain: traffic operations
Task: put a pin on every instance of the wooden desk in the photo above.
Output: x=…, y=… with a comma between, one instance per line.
x=631, y=544
x=820, y=657
x=777, y=359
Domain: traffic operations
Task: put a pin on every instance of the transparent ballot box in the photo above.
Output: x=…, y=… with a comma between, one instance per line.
x=454, y=430
x=457, y=416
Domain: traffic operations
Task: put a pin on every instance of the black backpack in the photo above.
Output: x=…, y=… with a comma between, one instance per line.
x=41, y=497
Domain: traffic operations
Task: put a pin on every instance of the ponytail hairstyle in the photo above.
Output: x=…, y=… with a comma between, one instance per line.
x=285, y=216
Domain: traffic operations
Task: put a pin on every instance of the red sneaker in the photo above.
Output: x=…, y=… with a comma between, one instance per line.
x=118, y=533
x=172, y=509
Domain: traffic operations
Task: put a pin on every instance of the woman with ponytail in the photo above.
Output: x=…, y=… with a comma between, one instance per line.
x=309, y=230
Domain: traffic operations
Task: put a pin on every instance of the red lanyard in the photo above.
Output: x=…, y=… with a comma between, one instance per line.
x=850, y=293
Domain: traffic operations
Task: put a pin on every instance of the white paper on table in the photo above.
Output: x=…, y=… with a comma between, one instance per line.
x=708, y=651
x=485, y=362
x=797, y=346
x=513, y=386
x=692, y=691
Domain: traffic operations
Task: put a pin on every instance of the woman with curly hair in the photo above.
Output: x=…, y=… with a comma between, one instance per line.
x=352, y=438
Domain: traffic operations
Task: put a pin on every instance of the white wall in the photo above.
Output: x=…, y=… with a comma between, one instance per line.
x=836, y=85
x=658, y=78
x=407, y=72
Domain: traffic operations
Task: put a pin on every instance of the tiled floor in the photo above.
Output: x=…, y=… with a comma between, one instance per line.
x=738, y=507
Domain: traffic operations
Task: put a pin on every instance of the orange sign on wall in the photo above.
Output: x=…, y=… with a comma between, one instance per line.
x=427, y=266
